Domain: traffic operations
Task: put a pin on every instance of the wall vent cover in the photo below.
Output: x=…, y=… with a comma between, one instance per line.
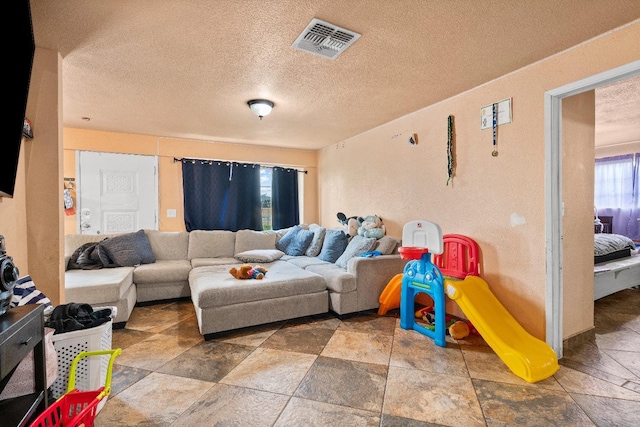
x=325, y=39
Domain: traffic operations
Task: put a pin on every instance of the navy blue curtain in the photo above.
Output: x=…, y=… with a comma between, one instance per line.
x=221, y=195
x=244, y=210
x=284, y=198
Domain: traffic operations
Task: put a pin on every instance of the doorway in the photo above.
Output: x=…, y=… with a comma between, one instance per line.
x=553, y=194
x=117, y=193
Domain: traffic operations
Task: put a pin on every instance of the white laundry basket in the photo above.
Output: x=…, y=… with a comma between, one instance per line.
x=91, y=372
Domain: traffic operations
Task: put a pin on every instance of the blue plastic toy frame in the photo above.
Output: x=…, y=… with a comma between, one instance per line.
x=422, y=275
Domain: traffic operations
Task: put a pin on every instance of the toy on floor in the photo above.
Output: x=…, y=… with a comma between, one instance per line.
x=420, y=239
x=456, y=328
x=246, y=271
x=528, y=357
x=459, y=330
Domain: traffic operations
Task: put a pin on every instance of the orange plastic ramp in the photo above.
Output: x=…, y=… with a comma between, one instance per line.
x=526, y=356
x=390, y=296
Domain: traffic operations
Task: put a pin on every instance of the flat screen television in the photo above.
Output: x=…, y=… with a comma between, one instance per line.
x=19, y=62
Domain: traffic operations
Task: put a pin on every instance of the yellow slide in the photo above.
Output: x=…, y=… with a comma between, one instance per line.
x=528, y=357
x=390, y=296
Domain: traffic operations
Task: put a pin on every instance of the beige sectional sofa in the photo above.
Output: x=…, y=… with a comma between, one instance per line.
x=196, y=264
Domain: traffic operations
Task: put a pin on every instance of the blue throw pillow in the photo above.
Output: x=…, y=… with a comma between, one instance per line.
x=358, y=245
x=296, y=241
x=127, y=250
x=335, y=242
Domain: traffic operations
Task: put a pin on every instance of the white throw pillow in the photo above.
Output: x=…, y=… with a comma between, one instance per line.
x=259, y=255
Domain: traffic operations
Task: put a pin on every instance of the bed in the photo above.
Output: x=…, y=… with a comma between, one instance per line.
x=616, y=264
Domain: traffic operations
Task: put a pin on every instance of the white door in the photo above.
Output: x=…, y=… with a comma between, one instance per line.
x=117, y=193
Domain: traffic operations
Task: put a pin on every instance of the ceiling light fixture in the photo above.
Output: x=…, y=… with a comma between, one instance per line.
x=260, y=107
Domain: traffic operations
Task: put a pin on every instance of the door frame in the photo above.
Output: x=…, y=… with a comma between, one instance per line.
x=553, y=191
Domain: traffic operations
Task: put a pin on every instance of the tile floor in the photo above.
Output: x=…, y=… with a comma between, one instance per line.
x=362, y=370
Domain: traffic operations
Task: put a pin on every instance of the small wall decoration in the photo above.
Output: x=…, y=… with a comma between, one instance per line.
x=502, y=110
x=450, y=138
x=26, y=129
x=69, y=195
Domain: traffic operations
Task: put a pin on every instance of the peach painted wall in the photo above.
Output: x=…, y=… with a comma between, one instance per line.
x=578, y=151
x=170, y=172
x=13, y=219
x=498, y=201
x=31, y=220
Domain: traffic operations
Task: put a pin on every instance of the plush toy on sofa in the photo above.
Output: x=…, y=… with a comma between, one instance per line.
x=242, y=272
x=246, y=271
x=351, y=224
x=372, y=226
x=257, y=272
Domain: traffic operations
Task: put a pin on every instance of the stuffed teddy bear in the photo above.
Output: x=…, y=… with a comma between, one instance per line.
x=246, y=271
x=242, y=272
x=372, y=226
x=257, y=272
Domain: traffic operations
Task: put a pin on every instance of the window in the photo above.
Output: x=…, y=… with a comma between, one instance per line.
x=617, y=194
x=265, y=197
x=222, y=195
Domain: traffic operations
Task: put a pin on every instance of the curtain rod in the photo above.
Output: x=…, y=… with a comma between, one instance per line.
x=177, y=159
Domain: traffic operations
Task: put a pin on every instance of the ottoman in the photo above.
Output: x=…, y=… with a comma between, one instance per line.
x=223, y=302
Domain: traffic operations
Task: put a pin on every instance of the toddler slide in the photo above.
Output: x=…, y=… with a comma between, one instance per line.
x=390, y=296
x=526, y=356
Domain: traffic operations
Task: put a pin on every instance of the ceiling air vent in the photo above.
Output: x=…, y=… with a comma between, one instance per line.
x=324, y=39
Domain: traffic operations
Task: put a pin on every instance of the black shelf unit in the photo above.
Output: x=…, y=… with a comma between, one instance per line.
x=22, y=331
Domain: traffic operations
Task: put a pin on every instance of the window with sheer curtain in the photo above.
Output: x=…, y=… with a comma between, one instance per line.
x=617, y=193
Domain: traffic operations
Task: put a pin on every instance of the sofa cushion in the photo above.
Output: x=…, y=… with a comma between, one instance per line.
x=305, y=261
x=162, y=271
x=336, y=278
x=386, y=245
x=169, y=244
x=97, y=286
x=296, y=241
x=129, y=249
x=203, y=262
x=215, y=287
x=259, y=255
x=318, y=238
x=334, y=244
x=247, y=240
x=211, y=244
x=357, y=245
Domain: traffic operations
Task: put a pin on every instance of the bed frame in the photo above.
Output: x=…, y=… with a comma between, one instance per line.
x=611, y=277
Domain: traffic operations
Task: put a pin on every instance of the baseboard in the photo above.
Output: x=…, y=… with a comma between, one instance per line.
x=119, y=325
x=579, y=339
x=162, y=301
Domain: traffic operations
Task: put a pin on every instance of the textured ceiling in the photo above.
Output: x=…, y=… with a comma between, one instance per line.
x=618, y=113
x=187, y=68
